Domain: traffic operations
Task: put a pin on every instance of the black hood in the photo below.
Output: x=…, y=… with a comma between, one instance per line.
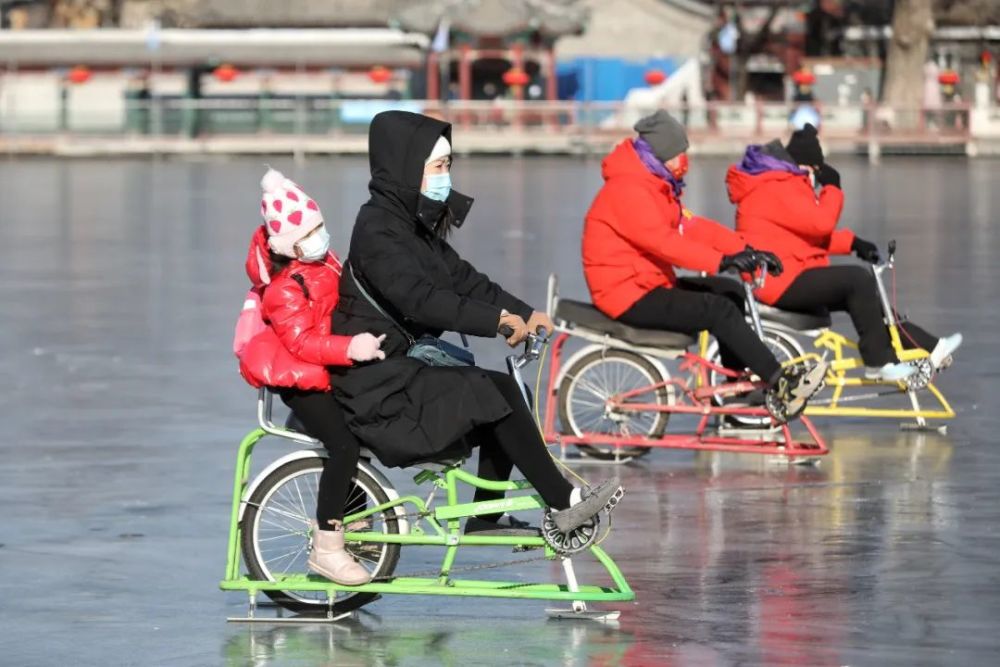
x=398, y=144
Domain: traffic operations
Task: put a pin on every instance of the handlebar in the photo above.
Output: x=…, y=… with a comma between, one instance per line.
x=888, y=261
x=759, y=275
x=534, y=343
x=533, y=346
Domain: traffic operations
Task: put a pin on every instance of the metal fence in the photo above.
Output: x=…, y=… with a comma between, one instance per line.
x=319, y=123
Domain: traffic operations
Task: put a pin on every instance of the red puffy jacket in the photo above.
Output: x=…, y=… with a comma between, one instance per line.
x=297, y=346
x=780, y=212
x=636, y=232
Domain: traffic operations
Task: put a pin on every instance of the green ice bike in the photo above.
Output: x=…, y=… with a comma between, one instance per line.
x=269, y=531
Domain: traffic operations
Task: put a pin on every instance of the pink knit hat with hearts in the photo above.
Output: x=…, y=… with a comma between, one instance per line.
x=289, y=213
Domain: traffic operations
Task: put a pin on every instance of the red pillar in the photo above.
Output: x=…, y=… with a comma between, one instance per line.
x=433, y=77
x=517, y=58
x=551, y=84
x=465, y=73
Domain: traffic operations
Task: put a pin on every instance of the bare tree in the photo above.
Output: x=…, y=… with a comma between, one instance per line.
x=912, y=26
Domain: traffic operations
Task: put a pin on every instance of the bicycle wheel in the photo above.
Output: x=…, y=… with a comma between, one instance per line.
x=275, y=533
x=596, y=377
x=782, y=347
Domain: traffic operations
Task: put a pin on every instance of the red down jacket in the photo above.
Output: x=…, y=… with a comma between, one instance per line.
x=636, y=232
x=297, y=345
x=779, y=211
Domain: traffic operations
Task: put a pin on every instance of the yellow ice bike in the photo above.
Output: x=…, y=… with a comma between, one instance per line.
x=848, y=393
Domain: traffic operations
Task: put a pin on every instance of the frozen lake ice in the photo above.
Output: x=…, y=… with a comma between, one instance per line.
x=120, y=282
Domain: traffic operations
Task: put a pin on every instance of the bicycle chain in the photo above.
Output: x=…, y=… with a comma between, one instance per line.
x=477, y=567
x=463, y=568
x=855, y=398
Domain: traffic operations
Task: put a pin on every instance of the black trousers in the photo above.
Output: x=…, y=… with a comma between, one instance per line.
x=852, y=289
x=516, y=441
x=716, y=304
x=323, y=419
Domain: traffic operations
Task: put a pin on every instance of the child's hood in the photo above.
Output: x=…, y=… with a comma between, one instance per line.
x=259, y=265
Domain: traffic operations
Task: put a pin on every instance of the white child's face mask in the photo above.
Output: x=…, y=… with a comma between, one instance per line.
x=315, y=246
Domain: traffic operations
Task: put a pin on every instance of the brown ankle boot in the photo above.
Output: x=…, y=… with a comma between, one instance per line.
x=329, y=558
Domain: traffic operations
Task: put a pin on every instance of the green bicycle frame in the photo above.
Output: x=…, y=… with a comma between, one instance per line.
x=445, y=531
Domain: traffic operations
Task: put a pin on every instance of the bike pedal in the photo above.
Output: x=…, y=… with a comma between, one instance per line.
x=615, y=499
x=521, y=548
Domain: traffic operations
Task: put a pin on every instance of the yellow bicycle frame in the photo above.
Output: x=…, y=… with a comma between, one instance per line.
x=847, y=370
x=840, y=377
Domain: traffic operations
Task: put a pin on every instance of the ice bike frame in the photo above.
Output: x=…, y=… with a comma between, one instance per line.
x=437, y=526
x=847, y=369
x=692, y=395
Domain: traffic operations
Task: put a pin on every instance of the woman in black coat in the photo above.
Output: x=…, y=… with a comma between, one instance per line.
x=404, y=410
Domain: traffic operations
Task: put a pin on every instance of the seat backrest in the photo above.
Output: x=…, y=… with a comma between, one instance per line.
x=265, y=401
x=552, y=295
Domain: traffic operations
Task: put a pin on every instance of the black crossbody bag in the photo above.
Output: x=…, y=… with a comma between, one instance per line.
x=429, y=349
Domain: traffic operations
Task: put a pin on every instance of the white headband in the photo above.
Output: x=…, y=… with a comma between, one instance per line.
x=441, y=149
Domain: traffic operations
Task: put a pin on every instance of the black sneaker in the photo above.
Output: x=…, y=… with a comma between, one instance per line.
x=604, y=496
x=788, y=396
x=507, y=526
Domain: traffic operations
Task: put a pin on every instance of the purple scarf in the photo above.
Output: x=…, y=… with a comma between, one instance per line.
x=757, y=161
x=655, y=167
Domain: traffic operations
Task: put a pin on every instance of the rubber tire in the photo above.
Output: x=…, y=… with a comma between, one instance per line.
x=771, y=339
x=609, y=453
x=256, y=570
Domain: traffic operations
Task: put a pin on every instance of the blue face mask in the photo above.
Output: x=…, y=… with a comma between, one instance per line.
x=438, y=187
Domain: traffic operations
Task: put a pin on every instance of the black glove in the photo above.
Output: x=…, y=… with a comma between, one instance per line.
x=744, y=261
x=827, y=175
x=865, y=250
x=771, y=261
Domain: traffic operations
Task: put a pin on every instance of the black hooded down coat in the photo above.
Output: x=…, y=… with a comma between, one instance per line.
x=403, y=410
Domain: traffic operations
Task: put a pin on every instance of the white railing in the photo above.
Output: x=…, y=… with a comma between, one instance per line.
x=545, y=126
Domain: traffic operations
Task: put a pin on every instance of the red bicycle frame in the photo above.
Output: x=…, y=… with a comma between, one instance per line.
x=693, y=396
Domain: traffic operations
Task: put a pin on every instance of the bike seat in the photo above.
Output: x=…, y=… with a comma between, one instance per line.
x=794, y=319
x=587, y=316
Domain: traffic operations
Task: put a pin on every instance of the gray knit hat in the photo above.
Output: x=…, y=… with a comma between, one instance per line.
x=664, y=134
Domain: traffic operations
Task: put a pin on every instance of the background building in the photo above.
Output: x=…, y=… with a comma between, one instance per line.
x=199, y=68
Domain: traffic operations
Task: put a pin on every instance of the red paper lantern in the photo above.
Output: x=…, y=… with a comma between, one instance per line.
x=803, y=77
x=948, y=78
x=654, y=77
x=516, y=76
x=225, y=73
x=79, y=74
x=379, y=74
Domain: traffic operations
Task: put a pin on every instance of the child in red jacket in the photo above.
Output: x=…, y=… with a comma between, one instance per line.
x=778, y=209
x=290, y=261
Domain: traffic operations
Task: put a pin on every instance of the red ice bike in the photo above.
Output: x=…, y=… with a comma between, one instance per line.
x=615, y=396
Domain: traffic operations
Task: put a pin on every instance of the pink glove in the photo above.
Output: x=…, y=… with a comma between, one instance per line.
x=365, y=347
